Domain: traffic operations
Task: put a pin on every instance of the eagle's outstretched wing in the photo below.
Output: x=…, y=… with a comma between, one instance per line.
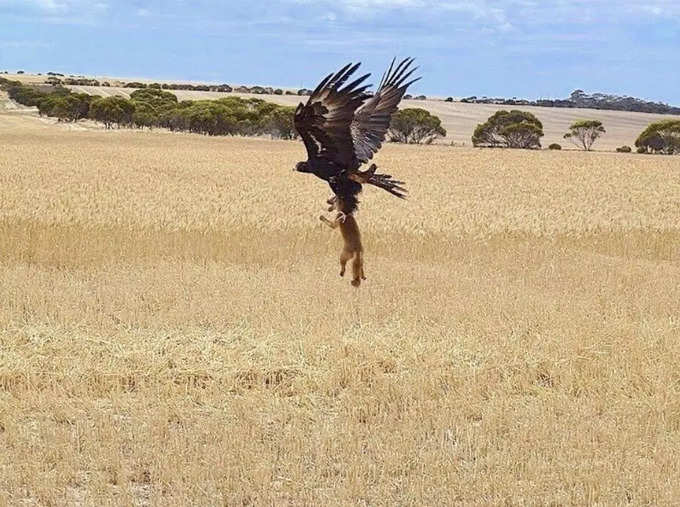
x=372, y=120
x=324, y=122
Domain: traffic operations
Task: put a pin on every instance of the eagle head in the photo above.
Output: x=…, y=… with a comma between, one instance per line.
x=303, y=167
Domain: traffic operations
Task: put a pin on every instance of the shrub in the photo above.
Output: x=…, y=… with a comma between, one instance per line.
x=584, y=133
x=26, y=95
x=278, y=91
x=134, y=84
x=81, y=81
x=623, y=149
x=154, y=107
x=280, y=122
x=641, y=149
x=154, y=96
x=554, y=146
x=64, y=105
x=449, y=99
x=509, y=129
x=661, y=137
x=415, y=126
x=112, y=110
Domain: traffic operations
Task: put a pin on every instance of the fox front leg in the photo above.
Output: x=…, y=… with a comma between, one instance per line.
x=330, y=224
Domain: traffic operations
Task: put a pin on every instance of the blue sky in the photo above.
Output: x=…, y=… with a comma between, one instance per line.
x=523, y=48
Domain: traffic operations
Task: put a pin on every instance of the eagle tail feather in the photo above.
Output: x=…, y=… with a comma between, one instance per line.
x=386, y=182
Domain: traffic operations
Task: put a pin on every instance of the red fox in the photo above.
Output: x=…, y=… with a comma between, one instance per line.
x=352, y=249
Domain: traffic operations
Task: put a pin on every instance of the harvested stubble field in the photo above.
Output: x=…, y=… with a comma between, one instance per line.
x=174, y=331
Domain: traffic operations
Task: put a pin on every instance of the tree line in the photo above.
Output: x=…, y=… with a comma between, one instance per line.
x=580, y=99
x=153, y=107
x=521, y=129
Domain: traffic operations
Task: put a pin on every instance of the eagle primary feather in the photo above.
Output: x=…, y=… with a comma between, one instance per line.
x=372, y=120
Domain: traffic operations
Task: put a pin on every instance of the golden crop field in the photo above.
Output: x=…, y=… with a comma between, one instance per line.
x=173, y=329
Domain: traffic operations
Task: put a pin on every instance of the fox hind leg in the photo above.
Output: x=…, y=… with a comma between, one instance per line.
x=345, y=256
x=358, y=269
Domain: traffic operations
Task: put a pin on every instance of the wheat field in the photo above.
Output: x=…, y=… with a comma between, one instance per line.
x=174, y=331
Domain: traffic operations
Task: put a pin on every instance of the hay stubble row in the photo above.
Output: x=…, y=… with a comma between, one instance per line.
x=173, y=328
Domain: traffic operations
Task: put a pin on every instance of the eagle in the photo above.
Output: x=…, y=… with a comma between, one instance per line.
x=342, y=127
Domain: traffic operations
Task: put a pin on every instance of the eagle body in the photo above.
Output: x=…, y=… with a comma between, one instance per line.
x=343, y=187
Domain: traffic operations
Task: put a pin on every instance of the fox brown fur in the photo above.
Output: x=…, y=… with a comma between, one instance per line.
x=352, y=248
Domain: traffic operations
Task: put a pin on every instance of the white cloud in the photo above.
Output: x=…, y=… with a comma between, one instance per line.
x=66, y=11
x=502, y=12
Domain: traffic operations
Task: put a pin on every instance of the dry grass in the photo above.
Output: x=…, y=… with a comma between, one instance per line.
x=173, y=329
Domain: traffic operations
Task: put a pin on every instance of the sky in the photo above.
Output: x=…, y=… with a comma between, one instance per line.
x=498, y=48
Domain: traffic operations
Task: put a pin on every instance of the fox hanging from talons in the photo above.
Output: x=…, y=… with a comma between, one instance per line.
x=352, y=249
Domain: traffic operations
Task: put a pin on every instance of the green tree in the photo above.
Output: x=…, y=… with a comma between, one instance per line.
x=583, y=133
x=280, y=122
x=415, y=126
x=112, y=110
x=66, y=107
x=151, y=104
x=145, y=115
x=509, y=129
x=26, y=95
x=154, y=96
x=60, y=109
x=660, y=137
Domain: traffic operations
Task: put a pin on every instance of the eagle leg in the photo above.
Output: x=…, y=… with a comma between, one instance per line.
x=363, y=176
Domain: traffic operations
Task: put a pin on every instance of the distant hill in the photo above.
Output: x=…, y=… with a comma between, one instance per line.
x=459, y=118
x=580, y=99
